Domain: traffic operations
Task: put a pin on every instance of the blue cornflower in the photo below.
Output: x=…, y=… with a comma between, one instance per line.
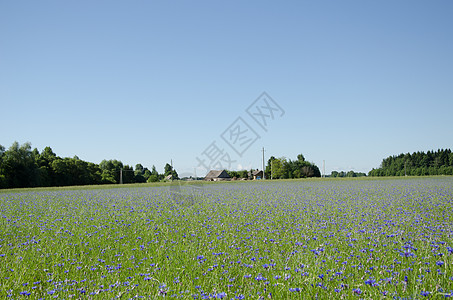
x=260, y=277
x=357, y=291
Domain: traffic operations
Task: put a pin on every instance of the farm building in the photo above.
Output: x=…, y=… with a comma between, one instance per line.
x=214, y=175
x=257, y=174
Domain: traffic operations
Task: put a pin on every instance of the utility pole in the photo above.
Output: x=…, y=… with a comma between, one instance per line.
x=263, y=165
x=405, y=168
x=121, y=175
x=324, y=168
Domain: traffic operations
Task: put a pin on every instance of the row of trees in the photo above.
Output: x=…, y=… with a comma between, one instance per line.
x=239, y=174
x=282, y=168
x=438, y=162
x=346, y=174
x=20, y=166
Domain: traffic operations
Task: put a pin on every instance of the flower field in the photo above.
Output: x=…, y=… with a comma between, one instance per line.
x=350, y=239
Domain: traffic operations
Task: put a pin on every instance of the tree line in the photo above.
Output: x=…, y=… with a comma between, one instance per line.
x=239, y=174
x=283, y=168
x=438, y=162
x=346, y=174
x=20, y=166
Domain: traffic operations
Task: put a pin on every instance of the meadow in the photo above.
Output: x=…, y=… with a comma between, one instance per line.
x=299, y=239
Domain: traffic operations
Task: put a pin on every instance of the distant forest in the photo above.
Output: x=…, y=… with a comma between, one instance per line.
x=439, y=162
x=22, y=167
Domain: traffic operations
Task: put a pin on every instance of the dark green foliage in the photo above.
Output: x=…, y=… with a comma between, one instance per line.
x=168, y=170
x=417, y=164
x=140, y=172
x=18, y=166
x=111, y=170
x=347, y=174
x=3, y=183
x=281, y=168
x=154, y=175
x=238, y=174
x=128, y=174
x=233, y=174
x=243, y=174
x=22, y=167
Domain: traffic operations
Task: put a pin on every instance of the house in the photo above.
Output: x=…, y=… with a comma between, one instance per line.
x=215, y=175
x=257, y=174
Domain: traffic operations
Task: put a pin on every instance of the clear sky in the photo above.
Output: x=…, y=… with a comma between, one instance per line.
x=153, y=81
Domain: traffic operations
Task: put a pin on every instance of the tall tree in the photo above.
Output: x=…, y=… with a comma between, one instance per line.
x=111, y=170
x=167, y=169
x=154, y=177
x=128, y=174
x=268, y=169
x=278, y=168
x=19, y=166
x=44, y=162
x=139, y=169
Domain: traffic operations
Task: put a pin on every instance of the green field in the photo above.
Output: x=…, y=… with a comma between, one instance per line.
x=294, y=239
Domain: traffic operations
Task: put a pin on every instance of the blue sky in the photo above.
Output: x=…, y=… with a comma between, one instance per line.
x=150, y=81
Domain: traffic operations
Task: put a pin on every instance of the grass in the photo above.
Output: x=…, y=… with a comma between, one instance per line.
x=293, y=239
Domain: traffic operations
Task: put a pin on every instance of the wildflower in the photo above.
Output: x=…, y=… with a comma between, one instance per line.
x=163, y=289
x=260, y=277
x=357, y=291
